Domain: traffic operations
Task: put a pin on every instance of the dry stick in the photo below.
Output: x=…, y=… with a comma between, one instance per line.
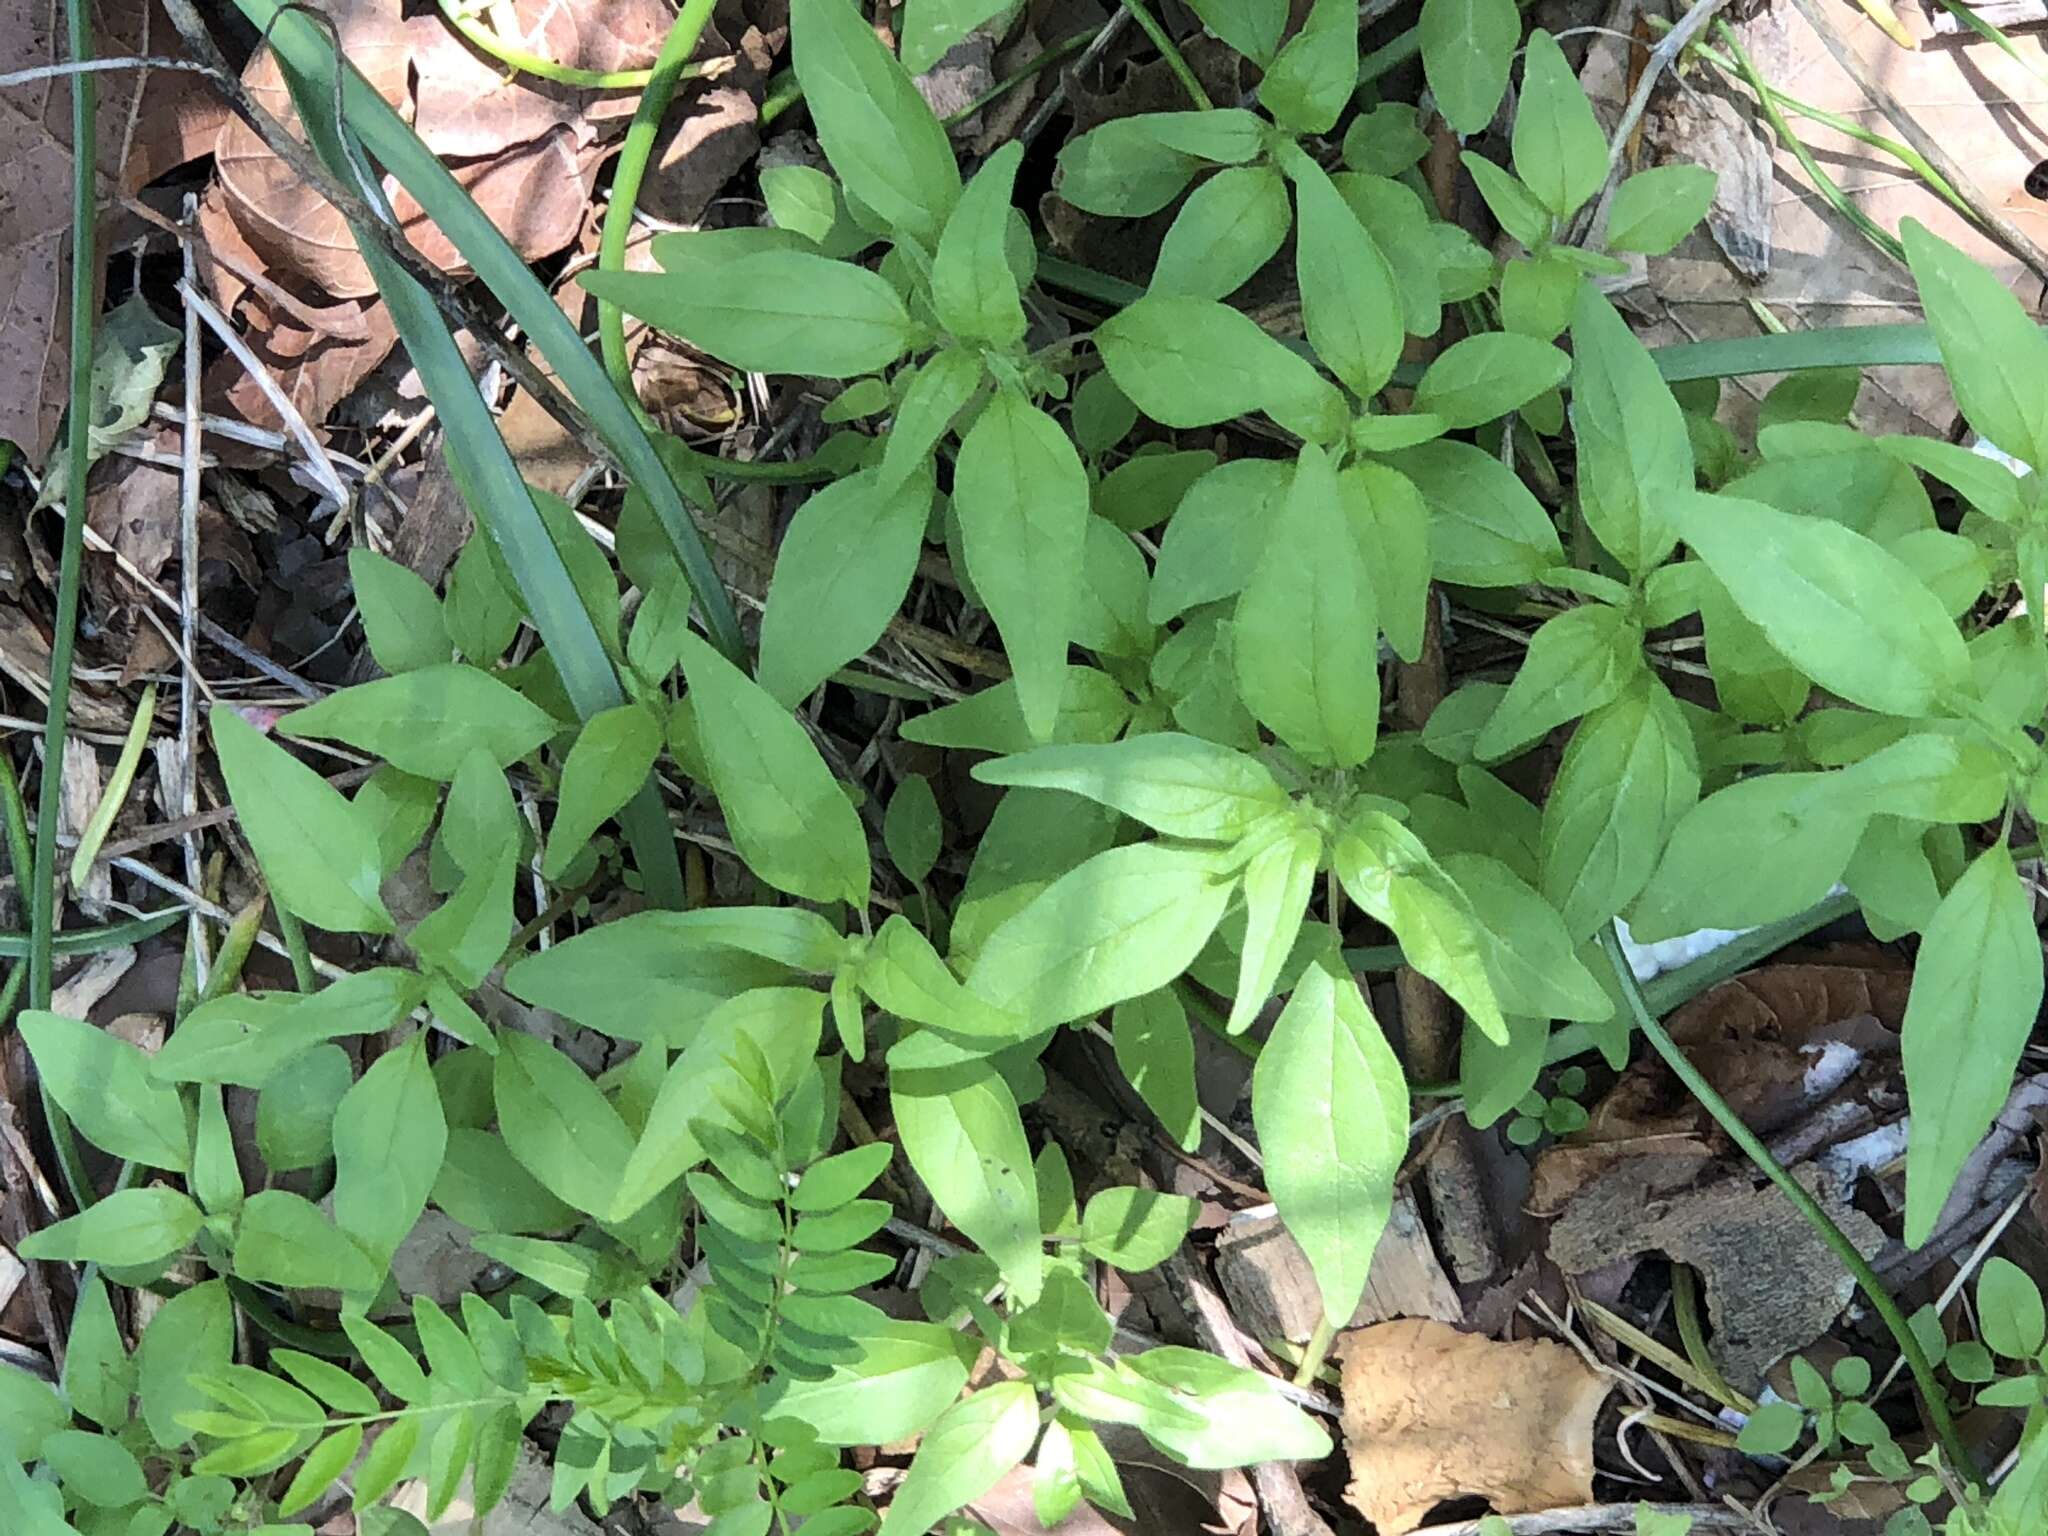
x=2008, y=234
x=1933, y=1403
x=1278, y=1485
x=1597, y=1517
x=188, y=598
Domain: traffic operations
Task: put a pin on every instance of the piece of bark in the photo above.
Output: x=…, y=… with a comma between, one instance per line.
x=1273, y=1294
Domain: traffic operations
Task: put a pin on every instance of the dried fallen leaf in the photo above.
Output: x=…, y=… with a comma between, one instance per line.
x=1772, y=1284
x=159, y=118
x=1431, y=1414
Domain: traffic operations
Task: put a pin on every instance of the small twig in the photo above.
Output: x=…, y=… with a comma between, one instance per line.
x=1986, y=212
x=1597, y=1517
x=102, y=66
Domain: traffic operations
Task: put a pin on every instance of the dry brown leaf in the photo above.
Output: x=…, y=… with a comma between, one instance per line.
x=148, y=123
x=1772, y=1283
x=1431, y=1414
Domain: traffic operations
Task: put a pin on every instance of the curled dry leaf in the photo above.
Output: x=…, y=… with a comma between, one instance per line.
x=1431, y=1414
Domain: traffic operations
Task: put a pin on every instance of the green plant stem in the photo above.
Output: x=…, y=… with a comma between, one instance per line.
x=91, y=941
x=485, y=40
x=1316, y=1351
x=20, y=858
x=294, y=933
x=1389, y=56
x=1933, y=1403
x=42, y=893
x=669, y=67
x=10, y=994
x=1024, y=72
x=1149, y=25
x=784, y=92
x=1685, y=1311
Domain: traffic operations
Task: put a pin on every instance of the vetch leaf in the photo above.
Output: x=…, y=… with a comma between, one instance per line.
x=1021, y=495
x=1331, y=1108
x=792, y=823
x=1976, y=993
x=317, y=850
x=427, y=721
x=961, y=1132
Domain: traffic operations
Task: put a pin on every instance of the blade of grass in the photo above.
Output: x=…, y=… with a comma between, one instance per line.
x=305, y=49
x=489, y=481
x=92, y=941
x=116, y=793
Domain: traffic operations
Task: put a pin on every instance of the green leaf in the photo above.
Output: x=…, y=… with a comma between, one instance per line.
x=1772, y=1430
x=963, y=1455
x=1997, y=358
x=98, y=1377
x=931, y=27
x=130, y=1226
x=961, y=1132
x=1576, y=662
x=1180, y=785
x=1278, y=881
x=389, y=1138
x=1350, y=306
x=1386, y=140
x=1634, y=453
x=1307, y=636
x=482, y=1186
x=1473, y=381
x=192, y=1333
x=1534, y=969
x=1628, y=776
x=556, y=1123
x=1387, y=871
x=1021, y=495
x=30, y=1412
x=283, y=1239
x=1392, y=525
x=387, y=1460
x=881, y=138
x=904, y=1377
x=912, y=829
x=1806, y=824
x=323, y=1464
x=801, y=198
x=1331, y=1108
x=1976, y=993
x=2009, y=1310
x=937, y=392
x=1537, y=295
x=1560, y=152
x=1522, y=214
x=1467, y=46
x=791, y=821
x=1092, y=708
x=317, y=850
x=401, y=616
x=1486, y=528
x=1212, y=543
x=1314, y=76
x=606, y=765
x=427, y=721
x=104, y=1084
x=1190, y=362
x=1230, y=226
x=1135, y=1229
x=1932, y=776
x=1242, y=1419
x=1156, y=1053
x=1118, y=925
x=776, y=312
x=1132, y=166
x=1252, y=27
x=95, y=1468
x=481, y=611
x=1655, y=209
x=974, y=293
x=466, y=935
x=1842, y=610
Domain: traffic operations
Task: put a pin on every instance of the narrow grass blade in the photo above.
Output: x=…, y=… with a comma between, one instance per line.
x=116, y=793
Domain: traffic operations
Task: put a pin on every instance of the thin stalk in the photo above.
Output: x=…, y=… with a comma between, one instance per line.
x=10, y=994
x=1317, y=1352
x=1685, y=1311
x=486, y=40
x=1024, y=73
x=1149, y=25
x=91, y=941
x=233, y=954
x=1933, y=1403
x=78, y=440
x=15, y=817
x=670, y=65
x=294, y=933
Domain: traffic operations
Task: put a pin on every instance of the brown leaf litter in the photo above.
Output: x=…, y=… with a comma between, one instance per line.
x=1432, y=1414
x=149, y=122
